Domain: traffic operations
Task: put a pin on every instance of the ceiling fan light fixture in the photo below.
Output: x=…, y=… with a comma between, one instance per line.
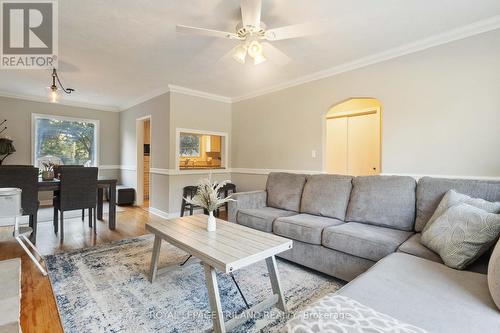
x=259, y=59
x=240, y=53
x=254, y=49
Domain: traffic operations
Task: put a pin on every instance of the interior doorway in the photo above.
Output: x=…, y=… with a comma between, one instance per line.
x=353, y=138
x=143, y=136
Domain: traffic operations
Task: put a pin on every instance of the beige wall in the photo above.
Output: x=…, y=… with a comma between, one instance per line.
x=159, y=110
x=18, y=114
x=169, y=112
x=196, y=113
x=441, y=114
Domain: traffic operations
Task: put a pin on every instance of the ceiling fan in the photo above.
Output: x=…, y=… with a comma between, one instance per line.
x=254, y=36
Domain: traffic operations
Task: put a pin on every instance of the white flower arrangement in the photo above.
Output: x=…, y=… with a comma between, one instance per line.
x=207, y=195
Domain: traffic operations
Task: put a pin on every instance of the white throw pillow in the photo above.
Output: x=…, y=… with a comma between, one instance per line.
x=462, y=234
x=452, y=198
x=494, y=275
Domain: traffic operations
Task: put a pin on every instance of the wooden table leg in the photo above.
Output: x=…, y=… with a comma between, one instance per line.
x=275, y=282
x=112, y=206
x=154, y=258
x=214, y=298
x=100, y=199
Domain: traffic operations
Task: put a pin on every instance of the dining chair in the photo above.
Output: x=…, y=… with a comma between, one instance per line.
x=57, y=171
x=24, y=177
x=78, y=190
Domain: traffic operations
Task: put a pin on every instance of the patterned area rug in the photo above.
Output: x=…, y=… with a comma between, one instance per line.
x=105, y=289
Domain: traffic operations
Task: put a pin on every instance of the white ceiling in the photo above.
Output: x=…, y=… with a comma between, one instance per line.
x=114, y=52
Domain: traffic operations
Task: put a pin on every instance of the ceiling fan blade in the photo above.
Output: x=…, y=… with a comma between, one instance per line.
x=295, y=31
x=206, y=32
x=275, y=55
x=251, y=12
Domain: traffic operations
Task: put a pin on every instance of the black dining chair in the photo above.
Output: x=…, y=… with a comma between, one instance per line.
x=24, y=177
x=188, y=192
x=78, y=190
x=57, y=172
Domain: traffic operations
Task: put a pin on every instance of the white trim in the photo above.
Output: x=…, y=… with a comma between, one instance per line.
x=312, y=172
x=268, y=171
x=64, y=102
x=198, y=93
x=417, y=176
x=97, y=132
x=109, y=167
x=420, y=45
x=128, y=168
x=224, y=147
x=165, y=215
x=143, y=98
x=173, y=172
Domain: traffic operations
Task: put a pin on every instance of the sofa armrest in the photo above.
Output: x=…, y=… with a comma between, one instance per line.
x=246, y=200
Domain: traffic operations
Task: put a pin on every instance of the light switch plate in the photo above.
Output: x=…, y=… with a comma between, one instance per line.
x=313, y=154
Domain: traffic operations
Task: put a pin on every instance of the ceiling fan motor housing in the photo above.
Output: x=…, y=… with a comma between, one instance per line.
x=251, y=31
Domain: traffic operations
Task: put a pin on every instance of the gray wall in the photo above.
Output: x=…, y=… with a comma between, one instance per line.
x=441, y=114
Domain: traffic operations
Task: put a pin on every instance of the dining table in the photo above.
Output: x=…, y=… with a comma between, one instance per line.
x=102, y=184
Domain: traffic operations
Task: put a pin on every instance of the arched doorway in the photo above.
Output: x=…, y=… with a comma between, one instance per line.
x=353, y=137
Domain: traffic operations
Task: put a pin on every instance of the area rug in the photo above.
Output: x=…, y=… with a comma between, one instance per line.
x=105, y=289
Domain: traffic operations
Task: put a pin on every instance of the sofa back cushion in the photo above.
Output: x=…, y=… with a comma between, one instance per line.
x=387, y=201
x=284, y=190
x=430, y=191
x=326, y=195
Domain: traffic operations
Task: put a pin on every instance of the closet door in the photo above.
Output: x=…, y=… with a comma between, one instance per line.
x=336, y=148
x=363, y=145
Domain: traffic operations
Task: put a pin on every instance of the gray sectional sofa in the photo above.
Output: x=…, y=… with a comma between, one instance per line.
x=343, y=225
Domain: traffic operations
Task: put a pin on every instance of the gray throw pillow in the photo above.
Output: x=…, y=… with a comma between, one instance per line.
x=494, y=275
x=462, y=234
x=452, y=198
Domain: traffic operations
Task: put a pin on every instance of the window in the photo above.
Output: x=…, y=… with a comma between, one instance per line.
x=189, y=145
x=197, y=150
x=65, y=141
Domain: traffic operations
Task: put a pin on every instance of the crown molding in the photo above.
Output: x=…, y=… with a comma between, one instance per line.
x=198, y=93
x=144, y=98
x=39, y=99
x=473, y=29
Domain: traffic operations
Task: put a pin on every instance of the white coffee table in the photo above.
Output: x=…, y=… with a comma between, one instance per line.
x=227, y=249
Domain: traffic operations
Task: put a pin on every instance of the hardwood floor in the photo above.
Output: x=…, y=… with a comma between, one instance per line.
x=38, y=308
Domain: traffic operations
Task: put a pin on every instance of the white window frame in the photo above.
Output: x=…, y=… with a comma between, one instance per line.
x=224, y=148
x=35, y=116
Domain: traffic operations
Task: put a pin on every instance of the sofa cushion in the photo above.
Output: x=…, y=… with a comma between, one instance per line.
x=494, y=275
x=430, y=191
x=363, y=240
x=452, y=198
x=326, y=195
x=426, y=294
x=414, y=247
x=303, y=227
x=284, y=190
x=387, y=201
x=462, y=234
x=261, y=218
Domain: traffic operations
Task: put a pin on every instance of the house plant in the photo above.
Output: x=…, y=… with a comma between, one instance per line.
x=208, y=198
x=47, y=169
